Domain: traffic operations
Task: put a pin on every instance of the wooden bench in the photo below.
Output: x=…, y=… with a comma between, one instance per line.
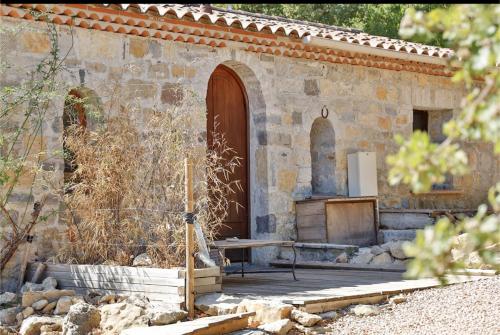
x=248, y=243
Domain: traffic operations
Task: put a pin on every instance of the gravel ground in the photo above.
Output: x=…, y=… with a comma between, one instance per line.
x=468, y=308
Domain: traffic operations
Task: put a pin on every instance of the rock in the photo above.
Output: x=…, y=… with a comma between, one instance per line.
x=142, y=260
x=362, y=258
x=305, y=319
x=47, y=284
x=397, y=299
x=136, y=299
x=32, y=325
x=108, y=299
x=81, y=319
x=120, y=316
x=342, y=258
x=280, y=327
x=247, y=332
x=332, y=315
x=28, y=311
x=382, y=259
x=365, y=310
x=159, y=316
x=7, y=298
x=63, y=305
x=19, y=317
x=40, y=304
x=265, y=310
x=31, y=297
x=400, y=262
x=217, y=304
x=49, y=308
x=4, y=330
x=396, y=249
x=376, y=250
x=55, y=327
x=8, y=315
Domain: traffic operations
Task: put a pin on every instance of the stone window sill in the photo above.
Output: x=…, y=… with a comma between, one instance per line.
x=440, y=192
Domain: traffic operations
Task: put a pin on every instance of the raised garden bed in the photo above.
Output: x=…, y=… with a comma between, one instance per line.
x=154, y=283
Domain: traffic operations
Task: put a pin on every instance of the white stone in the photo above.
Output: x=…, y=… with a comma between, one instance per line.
x=28, y=311
x=8, y=315
x=365, y=310
x=377, y=250
x=217, y=303
x=397, y=299
x=396, y=249
x=49, y=308
x=32, y=325
x=63, y=305
x=7, y=298
x=332, y=315
x=280, y=327
x=342, y=258
x=81, y=319
x=362, y=258
x=108, y=299
x=159, y=316
x=382, y=259
x=142, y=260
x=304, y=318
x=40, y=304
x=120, y=316
x=47, y=284
x=265, y=310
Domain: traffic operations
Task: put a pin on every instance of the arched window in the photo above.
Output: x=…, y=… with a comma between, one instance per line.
x=323, y=157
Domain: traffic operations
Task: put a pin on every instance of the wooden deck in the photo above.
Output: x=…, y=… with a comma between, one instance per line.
x=319, y=290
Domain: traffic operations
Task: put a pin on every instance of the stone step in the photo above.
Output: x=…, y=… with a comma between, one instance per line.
x=316, y=251
x=213, y=325
x=399, y=220
x=388, y=235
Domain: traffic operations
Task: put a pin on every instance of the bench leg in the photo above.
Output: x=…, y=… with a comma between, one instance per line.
x=294, y=261
x=242, y=262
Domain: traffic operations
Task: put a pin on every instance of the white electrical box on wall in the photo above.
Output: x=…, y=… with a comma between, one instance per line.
x=362, y=174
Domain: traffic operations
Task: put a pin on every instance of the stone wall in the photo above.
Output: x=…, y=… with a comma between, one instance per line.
x=367, y=106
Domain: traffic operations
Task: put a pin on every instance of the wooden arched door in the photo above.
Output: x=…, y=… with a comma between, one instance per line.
x=227, y=113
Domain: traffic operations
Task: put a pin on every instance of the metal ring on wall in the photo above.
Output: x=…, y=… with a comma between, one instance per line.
x=324, y=112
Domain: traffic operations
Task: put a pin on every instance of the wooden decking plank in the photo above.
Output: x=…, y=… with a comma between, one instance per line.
x=213, y=325
x=327, y=287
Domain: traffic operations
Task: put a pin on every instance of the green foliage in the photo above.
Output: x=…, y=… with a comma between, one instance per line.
x=422, y=163
x=472, y=31
x=375, y=19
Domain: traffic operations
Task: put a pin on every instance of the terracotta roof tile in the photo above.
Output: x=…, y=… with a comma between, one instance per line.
x=288, y=27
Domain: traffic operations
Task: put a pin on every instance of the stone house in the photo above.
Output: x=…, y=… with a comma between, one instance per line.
x=302, y=97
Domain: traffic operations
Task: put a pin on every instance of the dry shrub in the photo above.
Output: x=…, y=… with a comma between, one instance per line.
x=127, y=193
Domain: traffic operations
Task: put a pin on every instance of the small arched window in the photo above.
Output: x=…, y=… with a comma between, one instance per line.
x=323, y=157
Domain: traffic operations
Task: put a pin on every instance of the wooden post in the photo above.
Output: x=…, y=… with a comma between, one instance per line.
x=189, y=204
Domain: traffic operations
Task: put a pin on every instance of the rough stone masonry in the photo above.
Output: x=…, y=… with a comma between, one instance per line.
x=367, y=107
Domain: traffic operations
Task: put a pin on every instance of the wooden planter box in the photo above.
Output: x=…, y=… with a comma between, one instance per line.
x=338, y=220
x=155, y=283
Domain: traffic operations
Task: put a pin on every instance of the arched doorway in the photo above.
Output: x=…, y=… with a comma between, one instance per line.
x=227, y=110
x=323, y=157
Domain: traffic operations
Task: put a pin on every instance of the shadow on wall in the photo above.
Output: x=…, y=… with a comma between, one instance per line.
x=323, y=157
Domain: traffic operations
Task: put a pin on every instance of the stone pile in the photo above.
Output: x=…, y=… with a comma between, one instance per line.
x=42, y=309
x=274, y=317
x=390, y=253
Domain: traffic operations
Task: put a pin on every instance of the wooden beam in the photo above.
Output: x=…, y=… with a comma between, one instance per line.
x=189, y=206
